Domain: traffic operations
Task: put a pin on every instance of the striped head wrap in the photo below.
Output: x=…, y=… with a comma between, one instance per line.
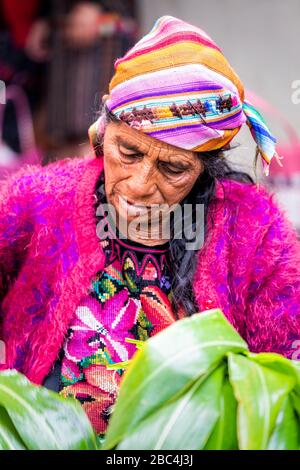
x=176, y=85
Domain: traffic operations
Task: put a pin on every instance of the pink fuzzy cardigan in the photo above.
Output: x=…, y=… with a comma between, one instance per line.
x=49, y=250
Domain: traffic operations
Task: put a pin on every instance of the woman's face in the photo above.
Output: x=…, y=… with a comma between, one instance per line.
x=141, y=171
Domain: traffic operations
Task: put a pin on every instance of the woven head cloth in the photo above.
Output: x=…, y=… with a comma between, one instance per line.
x=176, y=86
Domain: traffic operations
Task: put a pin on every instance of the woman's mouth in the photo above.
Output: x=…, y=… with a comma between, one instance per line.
x=131, y=208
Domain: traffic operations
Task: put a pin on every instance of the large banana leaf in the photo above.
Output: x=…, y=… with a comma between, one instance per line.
x=280, y=364
x=33, y=417
x=195, y=385
x=285, y=435
x=172, y=424
x=168, y=365
x=260, y=393
x=296, y=403
x=224, y=436
x=9, y=437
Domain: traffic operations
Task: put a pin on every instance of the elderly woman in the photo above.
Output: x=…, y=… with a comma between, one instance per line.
x=73, y=285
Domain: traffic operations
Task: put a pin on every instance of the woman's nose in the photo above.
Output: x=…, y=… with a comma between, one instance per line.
x=143, y=182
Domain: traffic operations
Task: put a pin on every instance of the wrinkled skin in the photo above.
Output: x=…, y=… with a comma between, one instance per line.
x=145, y=171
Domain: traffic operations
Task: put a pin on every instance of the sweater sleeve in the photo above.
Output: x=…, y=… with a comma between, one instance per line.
x=273, y=301
x=15, y=226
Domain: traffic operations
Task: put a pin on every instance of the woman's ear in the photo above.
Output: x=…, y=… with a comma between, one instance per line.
x=96, y=131
x=105, y=98
x=96, y=134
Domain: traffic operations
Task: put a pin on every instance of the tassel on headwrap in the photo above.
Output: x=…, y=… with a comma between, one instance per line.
x=265, y=141
x=177, y=86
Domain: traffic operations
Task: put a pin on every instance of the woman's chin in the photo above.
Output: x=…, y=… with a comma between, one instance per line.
x=132, y=228
x=145, y=241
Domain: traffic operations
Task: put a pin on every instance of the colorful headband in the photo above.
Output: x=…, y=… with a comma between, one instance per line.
x=176, y=85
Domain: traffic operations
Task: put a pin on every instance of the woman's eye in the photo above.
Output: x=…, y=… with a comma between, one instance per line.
x=173, y=171
x=129, y=154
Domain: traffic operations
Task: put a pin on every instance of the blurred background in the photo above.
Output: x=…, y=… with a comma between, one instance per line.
x=56, y=60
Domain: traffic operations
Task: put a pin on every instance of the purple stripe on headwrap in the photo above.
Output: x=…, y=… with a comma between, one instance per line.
x=236, y=120
x=165, y=91
x=189, y=136
x=179, y=130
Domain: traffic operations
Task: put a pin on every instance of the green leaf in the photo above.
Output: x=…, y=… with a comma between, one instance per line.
x=224, y=435
x=296, y=403
x=260, y=392
x=9, y=438
x=42, y=418
x=168, y=364
x=278, y=363
x=184, y=423
x=286, y=433
x=296, y=365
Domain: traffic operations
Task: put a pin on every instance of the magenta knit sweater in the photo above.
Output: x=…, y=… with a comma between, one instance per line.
x=49, y=251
